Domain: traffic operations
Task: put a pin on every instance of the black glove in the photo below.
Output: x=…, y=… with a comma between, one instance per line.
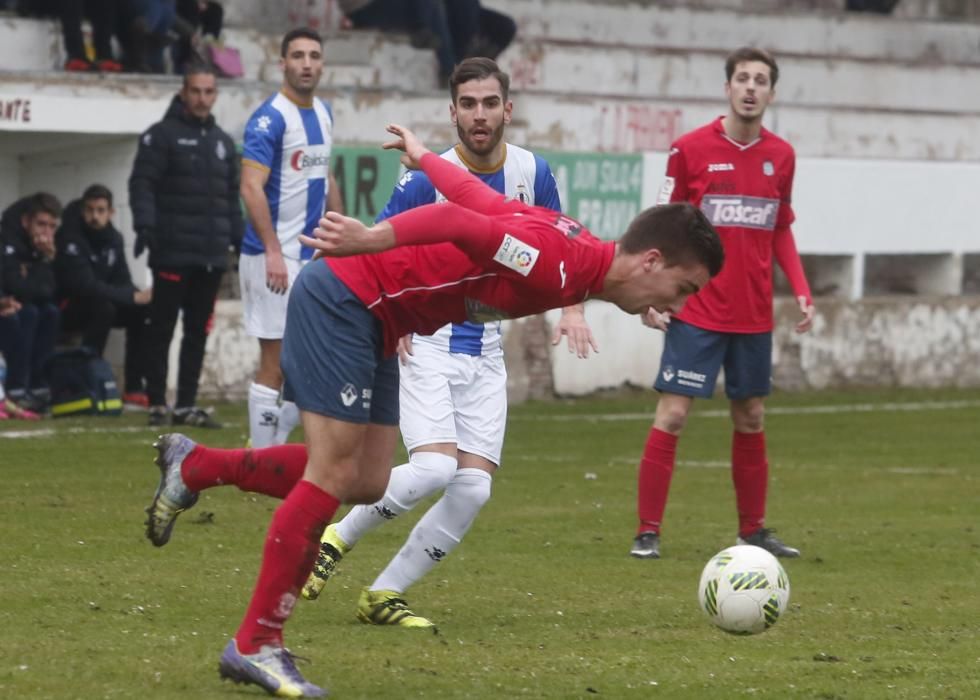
x=144, y=240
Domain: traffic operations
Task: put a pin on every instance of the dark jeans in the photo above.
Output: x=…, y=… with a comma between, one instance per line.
x=191, y=291
x=881, y=6
x=208, y=21
x=414, y=16
x=104, y=17
x=94, y=318
x=27, y=340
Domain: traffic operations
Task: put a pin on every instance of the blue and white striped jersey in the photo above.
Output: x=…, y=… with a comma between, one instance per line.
x=293, y=143
x=524, y=176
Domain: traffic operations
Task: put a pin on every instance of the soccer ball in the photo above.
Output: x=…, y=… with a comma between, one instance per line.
x=744, y=589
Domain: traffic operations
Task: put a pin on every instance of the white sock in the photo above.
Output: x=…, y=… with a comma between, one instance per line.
x=438, y=531
x=288, y=419
x=263, y=415
x=423, y=475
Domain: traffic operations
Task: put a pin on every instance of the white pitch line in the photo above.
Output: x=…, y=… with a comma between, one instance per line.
x=84, y=429
x=772, y=410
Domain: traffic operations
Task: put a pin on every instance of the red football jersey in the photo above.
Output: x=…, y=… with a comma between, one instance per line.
x=745, y=190
x=506, y=260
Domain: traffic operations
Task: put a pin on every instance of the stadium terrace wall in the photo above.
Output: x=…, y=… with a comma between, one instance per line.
x=891, y=249
x=896, y=273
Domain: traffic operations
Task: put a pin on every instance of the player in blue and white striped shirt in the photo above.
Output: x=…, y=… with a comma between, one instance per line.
x=286, y=181
x=453, y=384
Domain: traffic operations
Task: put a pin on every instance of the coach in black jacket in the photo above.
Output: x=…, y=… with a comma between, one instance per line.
x=95, y=288
x=184, y=195
x=27, y=337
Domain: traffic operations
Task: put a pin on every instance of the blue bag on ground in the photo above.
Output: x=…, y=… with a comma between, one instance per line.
x=82, y=383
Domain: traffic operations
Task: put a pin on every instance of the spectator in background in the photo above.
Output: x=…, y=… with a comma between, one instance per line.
x=184, y=193
x=455, y=30
x=204, y=16
x=28, y=335
x=151, y=26
x=477, y=30
x=105, y=18
x=95, y=287
x=8, y=307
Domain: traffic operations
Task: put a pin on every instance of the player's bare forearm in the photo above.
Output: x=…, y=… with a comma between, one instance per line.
x=257, y=207
x=340, y=236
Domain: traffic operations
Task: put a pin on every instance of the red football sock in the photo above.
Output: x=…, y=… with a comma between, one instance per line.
x=290, y=550
x=656, y=468
x=273, y=471
x=750, y=474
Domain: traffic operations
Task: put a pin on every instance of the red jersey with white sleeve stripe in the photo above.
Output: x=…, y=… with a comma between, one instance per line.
x=745, y=190
x=478, y=257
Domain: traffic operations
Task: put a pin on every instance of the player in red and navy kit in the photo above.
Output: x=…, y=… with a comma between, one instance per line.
x=453, y=383
x=477, y=257
x=741, y=176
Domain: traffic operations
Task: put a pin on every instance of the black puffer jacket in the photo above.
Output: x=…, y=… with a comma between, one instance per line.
x=184, y=189
x=26, y=275
x=91, y=264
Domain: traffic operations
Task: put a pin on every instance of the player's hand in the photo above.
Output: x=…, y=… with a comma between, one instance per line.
x=339, y=236
x=654, y=319
x=808, y=311
x=409, y=143
x=142, y=297
x=572, y=324
x=276, y=276
x=405, y=348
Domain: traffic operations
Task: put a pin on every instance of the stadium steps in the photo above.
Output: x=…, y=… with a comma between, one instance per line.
x=591, y=81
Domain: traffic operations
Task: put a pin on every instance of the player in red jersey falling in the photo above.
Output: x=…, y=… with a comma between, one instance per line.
x=741, y=177
x=478, y=257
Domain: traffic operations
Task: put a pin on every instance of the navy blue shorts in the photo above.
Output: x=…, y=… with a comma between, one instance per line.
x=693, y=356
x=331, y=357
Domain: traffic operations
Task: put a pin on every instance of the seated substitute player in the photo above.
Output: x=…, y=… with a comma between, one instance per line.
x=479, y=257
x=741, y=176
x=453, y=383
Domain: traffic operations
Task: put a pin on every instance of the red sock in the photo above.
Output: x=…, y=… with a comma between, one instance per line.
x=273, y=471
x=750, y=474
x=290, y=550
x=656, y=468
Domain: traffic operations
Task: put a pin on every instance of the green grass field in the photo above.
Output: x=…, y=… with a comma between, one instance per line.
x=880, y=491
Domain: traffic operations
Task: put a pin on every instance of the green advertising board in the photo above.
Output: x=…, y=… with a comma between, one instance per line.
x=603, y=191
x=366, y=176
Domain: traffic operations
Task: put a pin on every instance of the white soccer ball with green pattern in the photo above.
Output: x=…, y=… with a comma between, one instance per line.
x=744, y=589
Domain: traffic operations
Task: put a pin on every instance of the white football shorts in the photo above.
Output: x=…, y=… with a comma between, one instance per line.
x=447, y=397
x=264, y=312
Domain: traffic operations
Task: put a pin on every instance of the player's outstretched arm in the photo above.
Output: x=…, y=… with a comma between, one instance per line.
x=457, y=184
x=339, y=236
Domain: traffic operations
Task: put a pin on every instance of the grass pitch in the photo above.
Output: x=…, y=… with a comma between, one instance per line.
x=879, y=489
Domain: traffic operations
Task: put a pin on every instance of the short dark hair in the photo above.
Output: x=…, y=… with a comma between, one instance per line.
x=198, y=68
x=298, y=33
x=750, y=53
x=97, y=192
x=478, y=68
x=43, y=203
x=680, y=231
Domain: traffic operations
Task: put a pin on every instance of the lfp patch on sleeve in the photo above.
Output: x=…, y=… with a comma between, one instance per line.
x=516, y=255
